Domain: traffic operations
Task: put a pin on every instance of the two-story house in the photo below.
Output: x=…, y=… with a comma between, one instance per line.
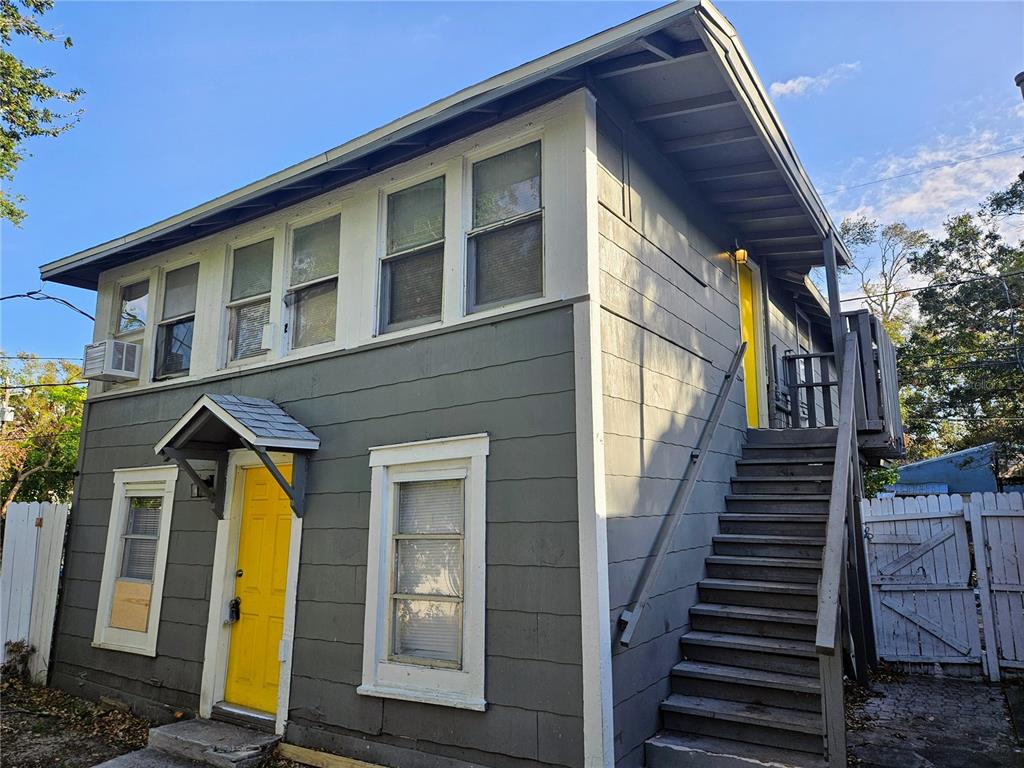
x=424, y=451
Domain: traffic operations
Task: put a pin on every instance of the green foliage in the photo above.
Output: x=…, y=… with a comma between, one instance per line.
x=26, y=95
x=39, y=447
x=962, y=366
x=877, y=478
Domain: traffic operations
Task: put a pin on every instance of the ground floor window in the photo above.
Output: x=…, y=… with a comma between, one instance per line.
x=128, y=613
x=424, y=633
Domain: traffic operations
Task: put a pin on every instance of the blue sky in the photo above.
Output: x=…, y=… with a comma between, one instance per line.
x=187, y=100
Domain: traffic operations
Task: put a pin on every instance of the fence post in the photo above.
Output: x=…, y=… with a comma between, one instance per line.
x=988, y=624
x=49, y=554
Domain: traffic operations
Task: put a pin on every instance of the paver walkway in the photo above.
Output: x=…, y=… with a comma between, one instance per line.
x=934, y=722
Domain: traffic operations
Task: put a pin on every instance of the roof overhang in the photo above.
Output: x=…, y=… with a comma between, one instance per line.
x=685, y=54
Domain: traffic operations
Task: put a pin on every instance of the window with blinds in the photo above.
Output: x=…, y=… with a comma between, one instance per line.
x=141, y=533
x=505, y=244
x=313, y=282
x=427, y=591
x=413, y=267
x=174, y=334
x=251, y=273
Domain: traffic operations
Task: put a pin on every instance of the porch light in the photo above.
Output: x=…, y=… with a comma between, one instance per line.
x=741, y=255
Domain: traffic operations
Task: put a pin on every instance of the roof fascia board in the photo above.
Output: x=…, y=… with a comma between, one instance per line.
x=720, y=37
x=439, y=111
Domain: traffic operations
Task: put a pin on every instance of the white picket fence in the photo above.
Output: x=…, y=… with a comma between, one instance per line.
x=923, y=598
x=33, y=554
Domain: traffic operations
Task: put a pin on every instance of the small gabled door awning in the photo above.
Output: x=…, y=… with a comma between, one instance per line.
x=216, y=424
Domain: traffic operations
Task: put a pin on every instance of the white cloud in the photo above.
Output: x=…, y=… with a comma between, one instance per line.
x=805, y=84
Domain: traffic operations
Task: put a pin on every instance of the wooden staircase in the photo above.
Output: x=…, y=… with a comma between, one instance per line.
x=748, y=689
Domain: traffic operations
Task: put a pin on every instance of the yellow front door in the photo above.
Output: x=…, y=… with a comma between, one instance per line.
x=748, y=330
x=254, y=664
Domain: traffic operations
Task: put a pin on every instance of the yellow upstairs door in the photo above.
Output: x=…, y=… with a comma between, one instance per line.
x=749, y=335
x=260, y=581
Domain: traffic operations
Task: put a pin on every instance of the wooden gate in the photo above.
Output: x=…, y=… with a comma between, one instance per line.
x=997, y=520
x=920, y=567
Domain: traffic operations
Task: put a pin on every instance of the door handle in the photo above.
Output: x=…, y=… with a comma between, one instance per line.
x=234, y=610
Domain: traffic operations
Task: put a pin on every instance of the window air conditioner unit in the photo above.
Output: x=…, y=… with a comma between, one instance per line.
x=112, y=360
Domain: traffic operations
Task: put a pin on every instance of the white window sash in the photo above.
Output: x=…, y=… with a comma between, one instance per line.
x=140, y=481
x=448, y=458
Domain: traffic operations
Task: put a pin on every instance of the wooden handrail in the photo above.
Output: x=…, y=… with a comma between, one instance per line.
x=833, y=560
x=630, y=618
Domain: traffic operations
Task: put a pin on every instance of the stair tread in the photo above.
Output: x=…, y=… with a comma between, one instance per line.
x=782, y=516
x=778, y=497
x=712, y=747
x=787, y=615
x=769, y=562
x=757, y=460
x=769, y=539
x=783, y=479
x=763, y=678
x=752, y=643
x=756, y=585
x=742, y=712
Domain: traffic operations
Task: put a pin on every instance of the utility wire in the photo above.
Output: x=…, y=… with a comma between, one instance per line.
x=922, y=170
x=41, y=296
x=936, y=285
x=33, y=386
x=30, y=356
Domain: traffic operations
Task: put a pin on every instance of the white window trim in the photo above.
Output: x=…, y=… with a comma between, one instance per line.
x=288, y=290
x=462, y=688
x=159, y=481
x=231, y=305
x=160, y=275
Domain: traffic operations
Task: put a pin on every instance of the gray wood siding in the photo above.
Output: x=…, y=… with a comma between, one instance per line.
x=513, y=379
x=670, y=325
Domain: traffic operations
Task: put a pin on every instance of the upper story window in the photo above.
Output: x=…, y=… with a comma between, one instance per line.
x=177, y=321
x=505, y=244
x=313, y=282
x=252, y=269
x=133, y=308
x=413, y=267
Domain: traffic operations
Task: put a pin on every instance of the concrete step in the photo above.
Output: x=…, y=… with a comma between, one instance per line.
x=774, y=524
x=149, y=758
x=767, y=568
x=770, y=689
x=815, y=484
x=816, y=503
x=223, y=745
x=762, y=594
x=751, y=620
x=753, y=723
x=826, y=435
x=810, y=451
x=771, y=654
x=759, y=545
x=679, y=750
x=781, y=466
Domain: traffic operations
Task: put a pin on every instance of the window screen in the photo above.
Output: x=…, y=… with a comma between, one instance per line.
x=251, y=274
x=180, y=292
x=411, y=276
x=428, y=571
x=315, y=313
x=134, y=303
x=315, y=251
x=142, y=529
x=247, y=329
x=314, y=259
x=251, y=270
x=506, y=246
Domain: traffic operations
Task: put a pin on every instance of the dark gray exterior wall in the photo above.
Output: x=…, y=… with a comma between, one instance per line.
x=512, y=378
x=670, y=326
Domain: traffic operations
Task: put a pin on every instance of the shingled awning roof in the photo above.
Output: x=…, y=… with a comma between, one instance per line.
x=216, y=424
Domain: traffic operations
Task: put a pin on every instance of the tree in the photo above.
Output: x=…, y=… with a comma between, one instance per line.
x=39, y=447
x=962, y=367
x=882, y=259
x=26, y=95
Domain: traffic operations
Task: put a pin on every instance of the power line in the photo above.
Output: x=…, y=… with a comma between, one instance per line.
x=922, y=170
x=936, y=285
x=41, y=296
x=972, y=366
x=30, y=356
x=33, y=386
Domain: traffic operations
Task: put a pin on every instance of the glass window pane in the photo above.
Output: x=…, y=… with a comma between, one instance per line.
x=315, y=315
x=144, y=515
x=248, y=322
x=427, y=629
x=431, y=506
x=315, y=250
x=429, y=567
x=412, y=288
x=416, y=215
x=506, y=185
x=507, y=263
x=180, y=291
x=139, y=559
x=174, y=347
x=134, y=303
x=251, y=269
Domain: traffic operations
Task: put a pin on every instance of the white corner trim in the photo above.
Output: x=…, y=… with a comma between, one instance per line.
x=463, y=688
x=598, y=710
x=156, y=480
